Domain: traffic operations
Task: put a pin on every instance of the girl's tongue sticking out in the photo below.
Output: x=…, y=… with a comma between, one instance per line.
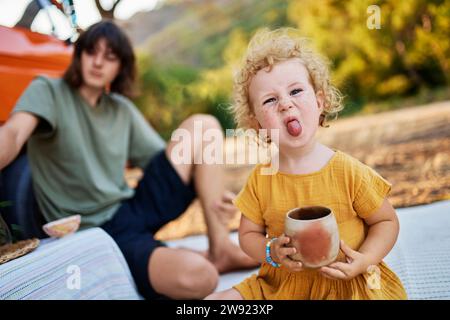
x=294, y=128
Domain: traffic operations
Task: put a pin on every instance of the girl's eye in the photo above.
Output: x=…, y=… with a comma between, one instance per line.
x=270, y=100
x=296, y=91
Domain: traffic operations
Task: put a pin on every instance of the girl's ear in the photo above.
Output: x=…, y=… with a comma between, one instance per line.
x=320, y=97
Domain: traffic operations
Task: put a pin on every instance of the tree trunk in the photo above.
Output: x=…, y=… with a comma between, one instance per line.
x=28, y=16
x=106, y=14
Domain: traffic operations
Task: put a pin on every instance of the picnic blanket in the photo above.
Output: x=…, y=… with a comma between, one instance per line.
x=86, y=265
x=421, y=258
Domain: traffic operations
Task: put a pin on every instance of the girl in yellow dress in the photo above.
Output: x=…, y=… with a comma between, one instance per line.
x=284, y=85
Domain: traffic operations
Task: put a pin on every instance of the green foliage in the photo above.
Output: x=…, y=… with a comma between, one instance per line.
x=408, y=52
x=166, y=100
x=407, y=56
x=5, y=204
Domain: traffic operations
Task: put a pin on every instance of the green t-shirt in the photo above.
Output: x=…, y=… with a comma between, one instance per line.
x=78, y=153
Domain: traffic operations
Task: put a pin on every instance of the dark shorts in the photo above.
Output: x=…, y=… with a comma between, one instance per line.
x=160, y=197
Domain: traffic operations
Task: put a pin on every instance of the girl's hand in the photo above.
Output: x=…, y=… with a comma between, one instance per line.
x=280, y=252
x=356, y=264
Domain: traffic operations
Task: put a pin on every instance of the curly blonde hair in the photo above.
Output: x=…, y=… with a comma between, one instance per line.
x=266, y=48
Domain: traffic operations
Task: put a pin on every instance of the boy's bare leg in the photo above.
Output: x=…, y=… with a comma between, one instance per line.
x=186, y=274
x=209, y=184
x=181, y=274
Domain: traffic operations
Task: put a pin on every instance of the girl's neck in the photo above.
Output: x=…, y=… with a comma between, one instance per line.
x=90, y=94
x=308, y=159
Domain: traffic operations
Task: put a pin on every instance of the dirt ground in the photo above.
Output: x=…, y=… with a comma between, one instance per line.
x=409, y=147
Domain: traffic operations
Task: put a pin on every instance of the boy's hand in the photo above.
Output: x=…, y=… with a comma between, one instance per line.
x=225, y=208
x=280, y=252
x=356, y=264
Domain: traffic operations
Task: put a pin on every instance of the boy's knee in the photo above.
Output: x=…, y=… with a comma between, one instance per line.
x=200, y=278
x=207, y=121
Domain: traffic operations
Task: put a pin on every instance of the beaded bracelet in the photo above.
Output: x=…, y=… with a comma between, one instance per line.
x=268, y=257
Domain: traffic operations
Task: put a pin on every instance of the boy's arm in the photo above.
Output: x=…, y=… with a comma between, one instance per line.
x=13, y=135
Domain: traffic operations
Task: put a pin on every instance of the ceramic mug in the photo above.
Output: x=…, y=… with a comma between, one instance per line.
x=314, y=233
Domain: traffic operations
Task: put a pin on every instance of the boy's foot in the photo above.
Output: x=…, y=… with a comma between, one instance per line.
x=230, y=257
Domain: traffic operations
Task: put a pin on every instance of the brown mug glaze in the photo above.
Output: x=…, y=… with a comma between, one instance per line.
x=314, y=233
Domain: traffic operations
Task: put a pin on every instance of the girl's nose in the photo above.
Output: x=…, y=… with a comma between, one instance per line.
x=284, y=104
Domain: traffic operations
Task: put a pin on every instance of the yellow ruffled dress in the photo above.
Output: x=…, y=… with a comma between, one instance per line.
x=353, y=191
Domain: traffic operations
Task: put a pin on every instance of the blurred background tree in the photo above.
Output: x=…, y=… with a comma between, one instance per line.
x=188, y=50
x=108, y=10
x=409, y=53
x=186, y=59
